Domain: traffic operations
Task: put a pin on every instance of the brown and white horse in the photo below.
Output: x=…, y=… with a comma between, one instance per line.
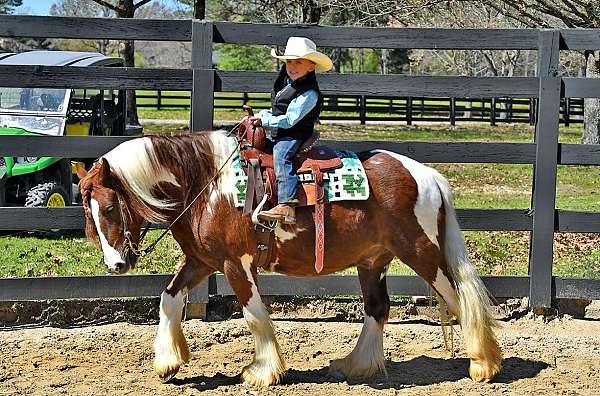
x=409, y=214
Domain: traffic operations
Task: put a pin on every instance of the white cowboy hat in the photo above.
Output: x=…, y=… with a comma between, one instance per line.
x=303, y=48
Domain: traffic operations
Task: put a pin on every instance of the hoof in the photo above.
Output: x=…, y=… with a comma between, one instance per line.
x=338, y=369
x=347, y=368
x=261, y=375
x=166, y=375
x=483, y=371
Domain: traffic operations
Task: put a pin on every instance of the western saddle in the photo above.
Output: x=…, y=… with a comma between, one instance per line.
x=310, y=163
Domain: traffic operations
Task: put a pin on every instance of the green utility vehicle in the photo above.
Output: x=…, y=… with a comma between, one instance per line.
x=49, y=181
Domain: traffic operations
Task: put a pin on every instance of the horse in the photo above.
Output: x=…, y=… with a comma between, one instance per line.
x=409, y=215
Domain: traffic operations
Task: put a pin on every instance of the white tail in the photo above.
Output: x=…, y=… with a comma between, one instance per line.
x=476, y=317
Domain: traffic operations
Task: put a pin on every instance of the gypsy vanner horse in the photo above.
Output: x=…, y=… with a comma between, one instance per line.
x=408, y=215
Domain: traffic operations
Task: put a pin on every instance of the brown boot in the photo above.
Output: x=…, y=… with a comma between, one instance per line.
x=282, y=212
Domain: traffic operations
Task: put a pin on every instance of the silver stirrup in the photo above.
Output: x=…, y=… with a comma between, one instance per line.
x=269, y=225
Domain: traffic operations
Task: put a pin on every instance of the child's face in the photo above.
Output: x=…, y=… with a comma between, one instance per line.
x=297, y=68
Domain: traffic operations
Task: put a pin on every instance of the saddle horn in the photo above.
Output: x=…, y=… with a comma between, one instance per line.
x=248, y=110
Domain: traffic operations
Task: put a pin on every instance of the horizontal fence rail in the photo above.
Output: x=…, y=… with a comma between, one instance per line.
x=362, y=37
x=544, y=154
x=94, y=28
x=71, y=218
x=99, y=286
x=274, y=34
x=469, y=152
x=107, y=286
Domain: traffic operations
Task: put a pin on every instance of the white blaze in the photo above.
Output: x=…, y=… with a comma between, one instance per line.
x=111, y=255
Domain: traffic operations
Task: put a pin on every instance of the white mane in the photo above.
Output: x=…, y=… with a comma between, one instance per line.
x=135, y=163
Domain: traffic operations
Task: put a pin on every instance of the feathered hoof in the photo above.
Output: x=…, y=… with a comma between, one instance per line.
x=257, y=374
x=482, y=371
x=166, y=373
x=348, y=368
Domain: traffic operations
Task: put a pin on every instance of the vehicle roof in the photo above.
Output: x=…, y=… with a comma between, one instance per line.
x=59, y=58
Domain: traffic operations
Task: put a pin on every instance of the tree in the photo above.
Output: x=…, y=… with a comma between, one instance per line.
x=19, y=44
x=556, y=14
x=83, y=8
x=126, y=9
x=8, y=6
x=198, y=7
x=244, y=57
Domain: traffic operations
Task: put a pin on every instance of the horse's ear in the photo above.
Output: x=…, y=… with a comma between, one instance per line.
x=81, y=172
x=104, y=170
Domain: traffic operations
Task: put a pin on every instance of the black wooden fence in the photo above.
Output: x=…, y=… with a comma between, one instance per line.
x=542, y=220
x=409, y=109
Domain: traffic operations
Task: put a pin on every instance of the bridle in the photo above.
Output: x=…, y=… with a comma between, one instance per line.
x=134, y=248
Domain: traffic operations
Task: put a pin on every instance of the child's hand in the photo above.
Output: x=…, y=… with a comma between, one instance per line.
x=256, y=121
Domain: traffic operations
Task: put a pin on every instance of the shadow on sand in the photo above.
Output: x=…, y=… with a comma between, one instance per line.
x=420, y=371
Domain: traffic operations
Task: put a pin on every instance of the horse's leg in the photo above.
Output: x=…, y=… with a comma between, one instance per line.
x=366, y=359
x=267, y=366
x=170, y=347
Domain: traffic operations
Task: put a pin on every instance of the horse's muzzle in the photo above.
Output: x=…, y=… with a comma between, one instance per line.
x=122, y=267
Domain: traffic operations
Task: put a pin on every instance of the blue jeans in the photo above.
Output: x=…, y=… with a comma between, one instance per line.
x=284, y=150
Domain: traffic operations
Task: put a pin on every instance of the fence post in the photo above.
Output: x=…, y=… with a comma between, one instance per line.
x=158, y=99
x=409, y=109
x=452, y=111
x=532, y=111
x=203, y=87
x=567, y=114
x=363, y=110
x=493, y=112
x=544, y=182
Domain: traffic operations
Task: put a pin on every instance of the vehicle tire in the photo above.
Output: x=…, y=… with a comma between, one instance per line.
x=44, y=195
x=47, y=194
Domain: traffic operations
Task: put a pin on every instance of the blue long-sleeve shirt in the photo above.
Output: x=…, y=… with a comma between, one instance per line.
x=298, y=108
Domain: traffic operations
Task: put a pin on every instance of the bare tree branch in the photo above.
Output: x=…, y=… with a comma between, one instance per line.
x=108, y=5
x=140, y=4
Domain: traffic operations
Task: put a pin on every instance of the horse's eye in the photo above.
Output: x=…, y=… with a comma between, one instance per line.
x=109, y=209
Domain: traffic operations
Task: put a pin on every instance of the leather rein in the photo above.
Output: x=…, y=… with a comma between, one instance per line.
x=134, y=248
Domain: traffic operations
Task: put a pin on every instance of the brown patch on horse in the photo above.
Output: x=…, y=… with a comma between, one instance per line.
x=190, y=159
x=239, y=282
x=86, y=185
x=397, y=198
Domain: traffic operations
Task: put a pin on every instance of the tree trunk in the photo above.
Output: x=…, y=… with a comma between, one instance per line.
x=311, y=11
x=591, y=110
x=385, y=69
x=128, y=56
x=127, y=10
x=199, y=9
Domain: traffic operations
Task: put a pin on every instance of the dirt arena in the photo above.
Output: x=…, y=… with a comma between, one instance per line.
x=560, y=357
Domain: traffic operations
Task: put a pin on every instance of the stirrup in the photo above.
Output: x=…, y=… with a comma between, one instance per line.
x=267, y=225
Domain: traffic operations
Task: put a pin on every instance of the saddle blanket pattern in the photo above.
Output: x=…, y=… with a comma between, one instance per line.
x=348, y=183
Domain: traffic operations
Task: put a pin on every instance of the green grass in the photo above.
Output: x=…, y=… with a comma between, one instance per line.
x=475, y=186
x=29, y=254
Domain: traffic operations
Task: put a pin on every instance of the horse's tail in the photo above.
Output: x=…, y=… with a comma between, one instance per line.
x=476, y=315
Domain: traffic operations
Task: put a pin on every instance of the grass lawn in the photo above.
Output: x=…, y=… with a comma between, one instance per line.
x=475, y=186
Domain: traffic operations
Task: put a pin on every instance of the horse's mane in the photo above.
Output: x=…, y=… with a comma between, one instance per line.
x=147, y=166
